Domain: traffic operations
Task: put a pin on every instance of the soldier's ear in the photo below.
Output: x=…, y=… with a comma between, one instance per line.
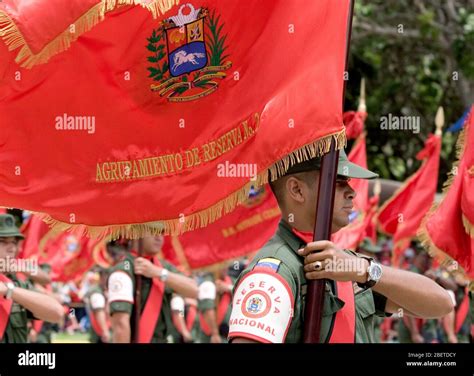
x=294, y=189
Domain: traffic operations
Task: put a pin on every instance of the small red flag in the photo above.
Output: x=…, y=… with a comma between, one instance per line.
x=402, y=214
x=447, y=230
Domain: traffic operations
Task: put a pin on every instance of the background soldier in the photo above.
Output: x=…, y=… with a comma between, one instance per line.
x=18, y=300
x=160, y=279
x=96, y=306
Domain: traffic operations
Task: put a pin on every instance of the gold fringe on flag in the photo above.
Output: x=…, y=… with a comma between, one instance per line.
x=26, y=58
x=423, y=235
x=207, y=216
x=468, y=226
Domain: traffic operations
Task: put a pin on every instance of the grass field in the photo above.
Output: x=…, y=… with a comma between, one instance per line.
x=70, y=338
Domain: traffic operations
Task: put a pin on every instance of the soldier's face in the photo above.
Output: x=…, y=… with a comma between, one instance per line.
x=152, y=244
x=8, y=247
x=343, y=203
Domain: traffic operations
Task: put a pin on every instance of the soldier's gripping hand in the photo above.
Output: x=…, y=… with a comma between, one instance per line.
x=146, y=268
x=324, y=260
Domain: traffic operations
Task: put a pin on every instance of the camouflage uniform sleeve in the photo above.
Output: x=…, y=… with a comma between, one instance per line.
x=207, y=294
x=121, y=287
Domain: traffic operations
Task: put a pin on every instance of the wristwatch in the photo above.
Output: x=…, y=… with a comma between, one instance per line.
x=164, y=275
x=10, y=288
x=374, y=273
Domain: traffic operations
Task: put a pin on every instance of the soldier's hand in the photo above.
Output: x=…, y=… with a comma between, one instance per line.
x=324, y=260
x=105, y=337
x=187, y=337
x=33, y=336
x=223, y=287
x=417, y=338
x=216, y=338
x=3, y=289
x=145, y=268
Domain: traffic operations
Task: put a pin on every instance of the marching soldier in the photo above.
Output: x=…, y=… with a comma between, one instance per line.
x=215, y=306
x=183, y=318
x=269, y=297
x=18, y=300
x=96, y=306
x=159, y=280
x=417, y=329
x=41, y=331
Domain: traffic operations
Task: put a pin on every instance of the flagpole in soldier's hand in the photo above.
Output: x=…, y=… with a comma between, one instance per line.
x=323, y=220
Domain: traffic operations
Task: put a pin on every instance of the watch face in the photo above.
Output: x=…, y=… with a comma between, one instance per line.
x=375, y=272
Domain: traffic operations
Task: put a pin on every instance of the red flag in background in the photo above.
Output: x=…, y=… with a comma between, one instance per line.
x=354, y=122
x=235, y=235
x=371, y=217
x=446, y=230
x=358, y=155
x=36, y=233
x=71, y=255
x=125, y=125
x=402, y=214
x=68, y=254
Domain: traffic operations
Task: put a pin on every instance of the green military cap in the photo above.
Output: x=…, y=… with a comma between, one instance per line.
x=344, y=168
x=368, y=246
x=8, y=227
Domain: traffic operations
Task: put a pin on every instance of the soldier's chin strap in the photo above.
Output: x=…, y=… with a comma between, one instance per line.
x=5, y=308
x=344, y=324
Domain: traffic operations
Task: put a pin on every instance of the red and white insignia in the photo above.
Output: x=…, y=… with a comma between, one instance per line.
x=262, y=308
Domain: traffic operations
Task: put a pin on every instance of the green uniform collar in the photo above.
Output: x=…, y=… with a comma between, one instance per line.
x=286, y=233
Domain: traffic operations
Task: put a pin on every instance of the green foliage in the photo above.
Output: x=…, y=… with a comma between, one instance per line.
x=410, y=53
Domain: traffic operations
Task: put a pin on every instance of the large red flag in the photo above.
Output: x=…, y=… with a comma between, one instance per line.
x=128, y=123
x=446, y=230
x=237, y=234
x=402, y=214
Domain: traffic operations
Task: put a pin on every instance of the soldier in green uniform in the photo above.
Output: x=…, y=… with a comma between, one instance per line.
x=18, y=300
x=96, y=307
x=159, y=280
x=215, y=306
x=412, y=329
x=41, y=331
x=269, y=297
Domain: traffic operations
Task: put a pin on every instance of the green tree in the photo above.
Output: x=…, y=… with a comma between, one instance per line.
x=416, y=55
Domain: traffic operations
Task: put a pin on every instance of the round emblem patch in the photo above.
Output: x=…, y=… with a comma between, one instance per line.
x=256, y=304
